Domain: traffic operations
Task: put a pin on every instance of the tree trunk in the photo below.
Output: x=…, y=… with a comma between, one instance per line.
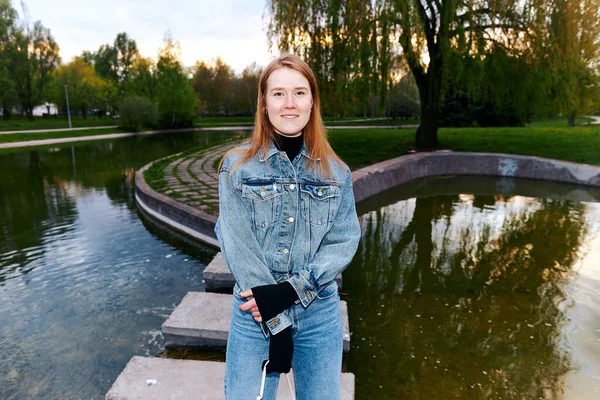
x=572, y=116
x=427, y=132
x=426, y=137
x=6, y=110
x=29, y=112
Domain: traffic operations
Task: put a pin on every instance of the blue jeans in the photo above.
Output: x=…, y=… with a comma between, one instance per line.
x=317, y=359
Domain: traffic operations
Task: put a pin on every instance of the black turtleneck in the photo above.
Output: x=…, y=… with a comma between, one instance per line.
x=291, y=145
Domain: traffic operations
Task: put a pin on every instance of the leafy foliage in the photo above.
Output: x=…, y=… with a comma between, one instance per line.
x=30, y=55
x=220, y=92
x=175, y=97
x=86, y=89
x=137, y=112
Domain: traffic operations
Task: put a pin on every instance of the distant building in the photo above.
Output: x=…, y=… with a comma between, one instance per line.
x=47, y=108
x=38, y=111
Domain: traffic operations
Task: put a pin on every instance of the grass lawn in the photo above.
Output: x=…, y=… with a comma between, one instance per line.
x=360, y=148
x=377, y=122
x=559, y=122
x=17, y=123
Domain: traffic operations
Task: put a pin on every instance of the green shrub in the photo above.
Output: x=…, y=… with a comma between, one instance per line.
x=137, y=112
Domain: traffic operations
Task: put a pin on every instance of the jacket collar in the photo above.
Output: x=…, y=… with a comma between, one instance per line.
x=273, y=150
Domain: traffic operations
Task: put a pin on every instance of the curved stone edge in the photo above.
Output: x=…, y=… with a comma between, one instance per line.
x=376, y=178
x=182, y=218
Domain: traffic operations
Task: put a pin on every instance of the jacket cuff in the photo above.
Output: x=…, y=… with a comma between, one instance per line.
x=278, y=323
x=305, y=290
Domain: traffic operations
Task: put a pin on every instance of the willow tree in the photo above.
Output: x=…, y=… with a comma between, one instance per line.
x=341, y=40
x=573, y=32
x=361, y=38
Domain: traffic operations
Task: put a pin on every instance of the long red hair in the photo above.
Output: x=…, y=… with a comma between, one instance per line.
x=315, y=135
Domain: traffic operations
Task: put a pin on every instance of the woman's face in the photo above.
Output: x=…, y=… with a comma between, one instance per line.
x=288, y=101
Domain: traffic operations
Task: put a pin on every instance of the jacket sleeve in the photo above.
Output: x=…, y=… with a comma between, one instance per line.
x=335, y=252
x=239, y=246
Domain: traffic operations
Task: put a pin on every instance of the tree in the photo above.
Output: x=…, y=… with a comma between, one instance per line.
x=358, y=42
x=114, y=62
x=223, y=76
x=175, y=97
x=213, y=85
x=345, y=43
x=573, y=32
x=8, y=17
x=403, y=99
x=202, y=84
x=249, y=87
x=32, y=56
x=86, y=89
x=141, y=79
x=136, y=112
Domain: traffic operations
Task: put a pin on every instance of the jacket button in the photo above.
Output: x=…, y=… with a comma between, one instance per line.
x=292, y=186
x=285, y=251
x=291, y=219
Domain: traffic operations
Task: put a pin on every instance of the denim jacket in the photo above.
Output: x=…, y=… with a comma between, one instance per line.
x=277, y=222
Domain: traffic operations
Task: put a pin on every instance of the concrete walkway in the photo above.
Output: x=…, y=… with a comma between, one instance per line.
x=202, y=319
x=47, y=142
x=146, y=378
x=193, y=180
x=596, y=120
x=58, y=130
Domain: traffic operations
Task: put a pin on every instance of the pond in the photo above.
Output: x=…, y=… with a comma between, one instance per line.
x=477, y=288
x=462, y=288
x=84, y=285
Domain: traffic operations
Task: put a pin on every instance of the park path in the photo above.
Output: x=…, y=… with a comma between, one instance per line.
x=57, y=130
x=596, y=120
x=194, y=180
x=46, y=142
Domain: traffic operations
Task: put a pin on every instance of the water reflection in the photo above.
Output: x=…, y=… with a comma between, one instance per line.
x=465, y=297
x=83, y=284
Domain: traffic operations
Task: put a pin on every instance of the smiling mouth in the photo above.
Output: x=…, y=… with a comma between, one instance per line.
x=289, y=116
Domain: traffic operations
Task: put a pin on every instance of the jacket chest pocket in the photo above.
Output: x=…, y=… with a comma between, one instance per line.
x=319, y=203
x=266, y=202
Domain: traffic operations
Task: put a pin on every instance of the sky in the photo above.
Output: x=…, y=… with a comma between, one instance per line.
x=205, y=29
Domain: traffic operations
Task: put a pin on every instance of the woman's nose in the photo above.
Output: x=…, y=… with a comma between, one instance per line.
x=289, y=102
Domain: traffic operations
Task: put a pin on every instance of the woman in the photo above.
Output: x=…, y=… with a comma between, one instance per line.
x=287, y=227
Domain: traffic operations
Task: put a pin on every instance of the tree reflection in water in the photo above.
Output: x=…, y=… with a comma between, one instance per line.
x=461, y=296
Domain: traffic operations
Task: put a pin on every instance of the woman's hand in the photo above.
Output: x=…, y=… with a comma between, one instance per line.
x=251, y=306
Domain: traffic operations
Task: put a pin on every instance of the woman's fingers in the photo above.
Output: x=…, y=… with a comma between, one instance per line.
x=250, y=306
x=247, y=306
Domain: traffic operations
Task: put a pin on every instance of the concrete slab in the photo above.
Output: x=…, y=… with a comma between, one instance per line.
x=146, y=378
x=202, y=320
x=218, y=277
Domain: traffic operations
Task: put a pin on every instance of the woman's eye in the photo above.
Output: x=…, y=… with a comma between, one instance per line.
x=301, y=93
x=277, y=94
